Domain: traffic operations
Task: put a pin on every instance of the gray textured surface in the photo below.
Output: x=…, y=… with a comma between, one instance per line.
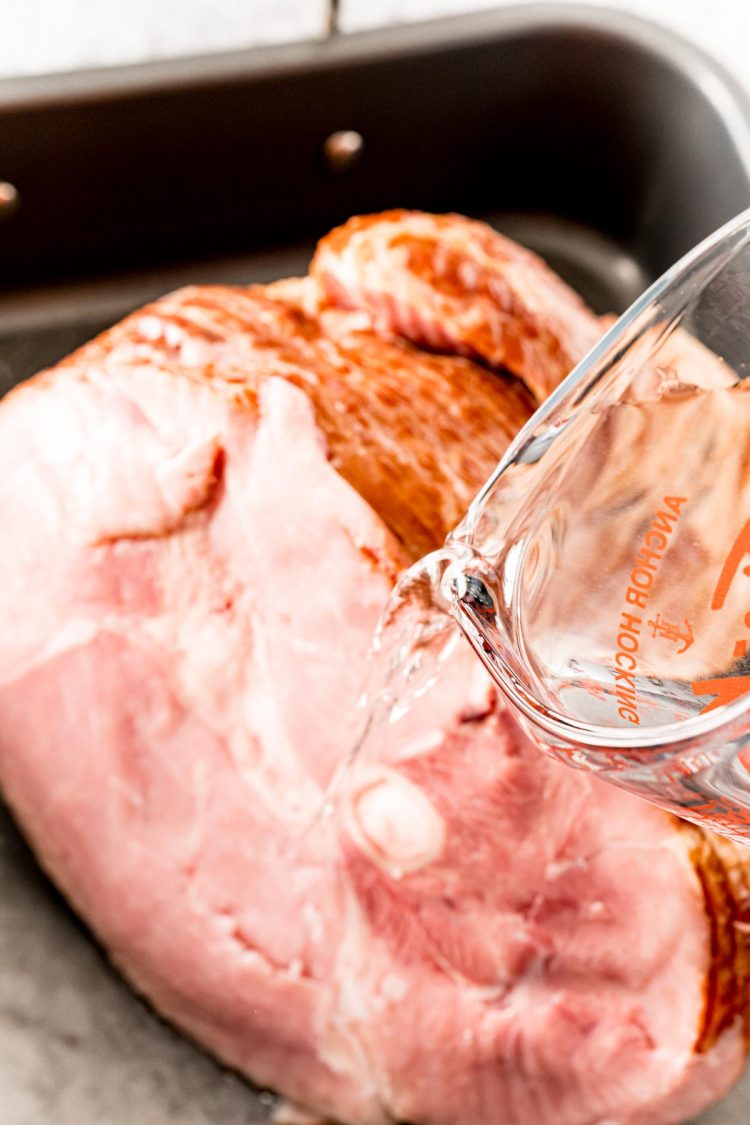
x=78, y=1048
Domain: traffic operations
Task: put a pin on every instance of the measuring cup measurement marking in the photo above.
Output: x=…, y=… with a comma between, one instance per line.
x=728, y=688
x=651, y=551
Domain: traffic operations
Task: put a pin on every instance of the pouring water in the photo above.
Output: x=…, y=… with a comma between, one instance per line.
x=602, y=575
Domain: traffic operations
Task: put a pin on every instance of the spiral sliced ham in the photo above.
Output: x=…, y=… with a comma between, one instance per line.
x=459, y=286
x=203, y=512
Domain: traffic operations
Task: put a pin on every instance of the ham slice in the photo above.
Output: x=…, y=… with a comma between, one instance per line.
x=204, y=511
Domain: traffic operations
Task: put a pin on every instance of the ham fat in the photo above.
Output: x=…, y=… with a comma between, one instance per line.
x=203, y=512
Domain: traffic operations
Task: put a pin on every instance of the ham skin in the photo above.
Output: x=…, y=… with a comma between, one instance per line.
x=204, y=511
x=447, y=283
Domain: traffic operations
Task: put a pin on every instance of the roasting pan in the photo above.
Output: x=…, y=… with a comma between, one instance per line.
x=608, y=145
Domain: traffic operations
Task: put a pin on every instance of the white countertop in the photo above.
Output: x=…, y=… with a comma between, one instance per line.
x=41, y=36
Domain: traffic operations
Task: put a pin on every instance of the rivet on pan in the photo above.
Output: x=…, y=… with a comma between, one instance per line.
x=343, y=149
x=8, y=199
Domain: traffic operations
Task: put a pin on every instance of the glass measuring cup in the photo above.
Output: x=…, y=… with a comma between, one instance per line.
x=603, y=573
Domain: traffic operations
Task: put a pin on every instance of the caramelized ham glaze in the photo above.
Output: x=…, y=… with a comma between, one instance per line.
x=458, y=286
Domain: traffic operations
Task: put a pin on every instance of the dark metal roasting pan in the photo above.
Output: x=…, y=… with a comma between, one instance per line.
x=606, y=144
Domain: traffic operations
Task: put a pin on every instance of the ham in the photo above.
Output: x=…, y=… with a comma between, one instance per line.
x=204, y=511
x=450, y=284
